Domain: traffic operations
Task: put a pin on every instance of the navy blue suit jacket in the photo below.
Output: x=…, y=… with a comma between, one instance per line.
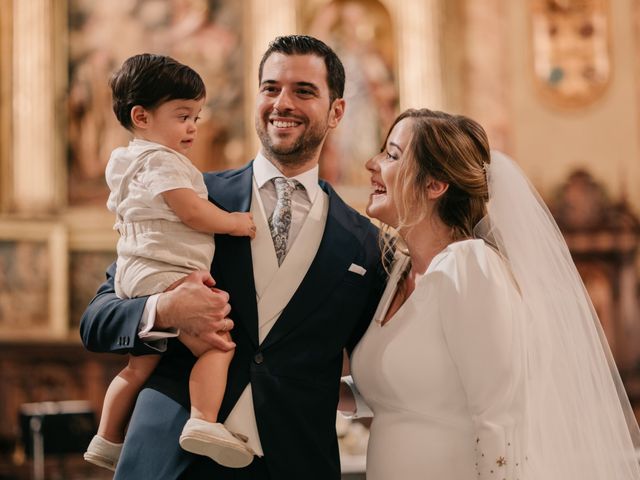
x=295, y=372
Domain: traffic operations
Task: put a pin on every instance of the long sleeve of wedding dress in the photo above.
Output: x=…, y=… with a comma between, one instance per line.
x=479, y=310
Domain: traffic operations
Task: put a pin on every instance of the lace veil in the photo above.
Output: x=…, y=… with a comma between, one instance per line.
x=578, y=422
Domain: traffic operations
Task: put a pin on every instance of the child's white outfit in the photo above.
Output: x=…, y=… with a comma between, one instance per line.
x=155, y=248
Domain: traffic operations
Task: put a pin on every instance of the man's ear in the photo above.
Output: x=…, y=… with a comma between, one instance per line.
x=139, y=117
x=336, y=112
x=436, y=188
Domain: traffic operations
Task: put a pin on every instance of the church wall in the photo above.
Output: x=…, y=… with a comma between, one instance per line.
x=550, y=141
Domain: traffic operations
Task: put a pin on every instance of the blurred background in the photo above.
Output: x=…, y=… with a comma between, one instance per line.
x=555, y=83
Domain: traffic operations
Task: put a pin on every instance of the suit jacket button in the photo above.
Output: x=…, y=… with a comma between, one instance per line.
x=258, y=358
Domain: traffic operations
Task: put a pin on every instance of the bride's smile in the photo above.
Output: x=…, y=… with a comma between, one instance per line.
x=384, y=172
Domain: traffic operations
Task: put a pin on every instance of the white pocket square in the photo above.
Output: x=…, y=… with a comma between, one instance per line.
x=357, y=269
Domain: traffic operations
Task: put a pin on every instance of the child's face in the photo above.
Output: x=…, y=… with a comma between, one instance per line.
x=172, y=124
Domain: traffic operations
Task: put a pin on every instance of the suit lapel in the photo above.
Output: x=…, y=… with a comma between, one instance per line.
x=288, y=277
x=337, y=249
x=232, y=265
x=265, y=262
x=231, y=190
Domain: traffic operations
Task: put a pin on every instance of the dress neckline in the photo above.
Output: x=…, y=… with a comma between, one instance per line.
x=399, y=266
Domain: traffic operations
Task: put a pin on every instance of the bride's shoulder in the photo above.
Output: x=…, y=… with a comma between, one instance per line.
x=470, y=264
x=463, y=253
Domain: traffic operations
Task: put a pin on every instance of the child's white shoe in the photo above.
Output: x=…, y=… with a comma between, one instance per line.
x=103, y=453
x=216, y=442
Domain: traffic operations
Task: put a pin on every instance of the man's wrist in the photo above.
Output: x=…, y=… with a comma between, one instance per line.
x=162, y=320
x=149, y=333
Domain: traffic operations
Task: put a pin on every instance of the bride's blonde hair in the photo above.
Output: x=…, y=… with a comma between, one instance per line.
x=449, y=148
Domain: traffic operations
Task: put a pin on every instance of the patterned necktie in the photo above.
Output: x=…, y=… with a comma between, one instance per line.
x=280, y=221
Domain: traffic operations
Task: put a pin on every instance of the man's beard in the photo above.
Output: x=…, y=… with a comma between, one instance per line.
x=297, y=153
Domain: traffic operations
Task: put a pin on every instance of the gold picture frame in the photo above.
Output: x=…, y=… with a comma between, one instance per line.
x=33, y=280
x=572, y=54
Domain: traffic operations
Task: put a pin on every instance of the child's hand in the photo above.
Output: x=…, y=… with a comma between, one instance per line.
x=244, y=226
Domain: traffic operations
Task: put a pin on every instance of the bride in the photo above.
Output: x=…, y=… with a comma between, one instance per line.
x=485, y=358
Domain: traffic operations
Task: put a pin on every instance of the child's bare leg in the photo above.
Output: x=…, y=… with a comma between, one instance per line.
x=208, y=379
x=121, y=396
x=202, y=434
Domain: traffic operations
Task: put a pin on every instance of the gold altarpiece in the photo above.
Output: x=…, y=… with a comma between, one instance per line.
x=39, y=38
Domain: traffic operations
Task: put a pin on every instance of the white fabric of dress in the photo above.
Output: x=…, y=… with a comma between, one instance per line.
x=444, y=376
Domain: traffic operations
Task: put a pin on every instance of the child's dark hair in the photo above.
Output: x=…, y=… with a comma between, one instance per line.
x=149, y=80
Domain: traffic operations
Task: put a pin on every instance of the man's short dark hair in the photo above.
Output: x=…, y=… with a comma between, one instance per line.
x=149, y=80
x=305, y=45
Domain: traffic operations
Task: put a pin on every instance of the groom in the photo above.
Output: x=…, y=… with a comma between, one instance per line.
x=300, y=293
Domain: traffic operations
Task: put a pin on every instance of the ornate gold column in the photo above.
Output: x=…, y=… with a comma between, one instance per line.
x=5, y=103
x=419, y=62
x=37, y=165
x=265, y=20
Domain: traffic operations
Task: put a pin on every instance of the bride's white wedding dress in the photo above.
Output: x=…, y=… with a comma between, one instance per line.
x=444, y=376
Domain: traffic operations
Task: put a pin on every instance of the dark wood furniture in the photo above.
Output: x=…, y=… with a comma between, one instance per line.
x=38, y=372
